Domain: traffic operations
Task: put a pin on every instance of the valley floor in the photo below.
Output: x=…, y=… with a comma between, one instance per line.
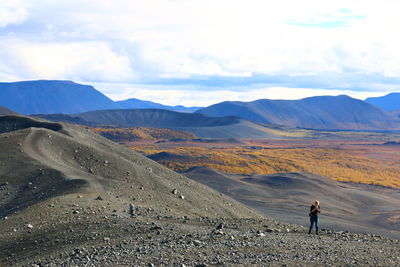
x=356, y=161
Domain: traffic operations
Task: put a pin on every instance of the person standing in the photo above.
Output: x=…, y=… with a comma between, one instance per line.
x=314, y=210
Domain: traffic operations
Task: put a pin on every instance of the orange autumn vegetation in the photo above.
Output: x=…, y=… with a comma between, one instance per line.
x=329, y=162
x=141, y=134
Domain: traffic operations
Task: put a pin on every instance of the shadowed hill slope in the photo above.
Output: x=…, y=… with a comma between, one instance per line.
x=287, y=197
x=154, y=117
x=322, y=112
x=41, y=160
x=198, y=124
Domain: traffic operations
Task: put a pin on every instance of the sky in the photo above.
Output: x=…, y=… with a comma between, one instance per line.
x=200, y=52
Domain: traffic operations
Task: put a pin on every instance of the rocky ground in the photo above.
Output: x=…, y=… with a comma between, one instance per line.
x=108, y=237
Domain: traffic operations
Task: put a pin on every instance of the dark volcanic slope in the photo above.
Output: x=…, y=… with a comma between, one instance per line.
x=154, y=118
x=134, y=103
x=388, y=102
x=50, y=173
x=41, y=160
x=6, y=111
x=198, y=124
x=45, y=97
x=287, y=197
x=323, y=112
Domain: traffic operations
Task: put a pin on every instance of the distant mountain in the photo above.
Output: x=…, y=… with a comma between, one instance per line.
x=198, y=124
x=50, y=97
x=392, y=143
x=33, y=97
x=6, y=111
x=134, y=103
x=388, y=102
x=320, y=112
x=395, y=113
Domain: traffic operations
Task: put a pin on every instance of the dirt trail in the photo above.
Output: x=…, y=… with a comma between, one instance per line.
x=45, y=153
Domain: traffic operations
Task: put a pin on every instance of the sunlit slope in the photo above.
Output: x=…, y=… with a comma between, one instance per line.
x=141, y=134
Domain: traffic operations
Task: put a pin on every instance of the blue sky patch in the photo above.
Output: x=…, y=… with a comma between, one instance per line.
x=343, y=18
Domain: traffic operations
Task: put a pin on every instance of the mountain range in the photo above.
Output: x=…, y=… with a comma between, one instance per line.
x=320, y=112
x=134, y=103
x=389, y=102
x=52, y=96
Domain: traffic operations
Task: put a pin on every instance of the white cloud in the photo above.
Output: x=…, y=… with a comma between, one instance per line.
x=131, y=41
x=76, y=61
x=12, y=12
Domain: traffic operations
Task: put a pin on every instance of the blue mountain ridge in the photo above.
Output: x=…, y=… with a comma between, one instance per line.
x=134, y=103
x=55, y=96
x=389, y=102
x=319, y=112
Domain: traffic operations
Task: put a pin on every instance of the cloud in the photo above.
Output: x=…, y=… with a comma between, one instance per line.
x=12, y=12
x=77, y=61
x=344, y=45
x=341, y=18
